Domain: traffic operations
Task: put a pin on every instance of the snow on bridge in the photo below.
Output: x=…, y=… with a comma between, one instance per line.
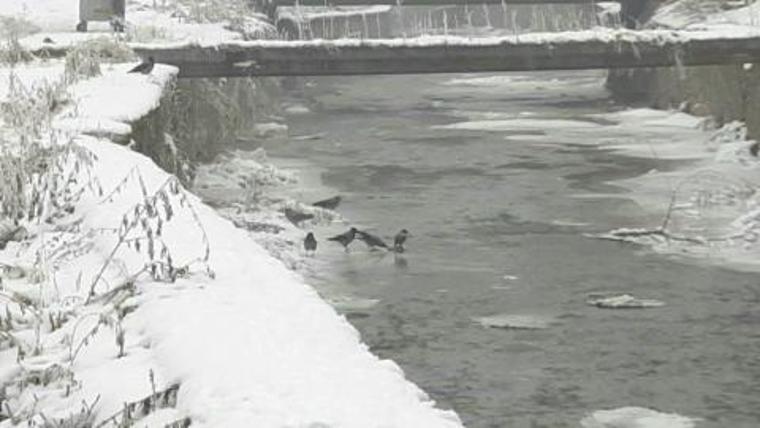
x=425, y=2
x=598, y=48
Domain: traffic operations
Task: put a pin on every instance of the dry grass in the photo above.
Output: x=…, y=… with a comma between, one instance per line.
x=11, y=30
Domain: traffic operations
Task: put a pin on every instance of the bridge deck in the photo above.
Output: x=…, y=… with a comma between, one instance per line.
x=447, y=54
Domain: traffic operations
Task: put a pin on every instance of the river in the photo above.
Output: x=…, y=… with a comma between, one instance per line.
x=502, y=179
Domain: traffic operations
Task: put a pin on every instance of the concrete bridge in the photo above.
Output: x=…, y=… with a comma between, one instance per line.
x=602, y=49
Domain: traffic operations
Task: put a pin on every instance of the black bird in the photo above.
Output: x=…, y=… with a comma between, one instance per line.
x=372, y=241
x=329, y=203
x=144, y=67
x=296, y=217
x=310, y=243
x=398, y=241
x=345, y=238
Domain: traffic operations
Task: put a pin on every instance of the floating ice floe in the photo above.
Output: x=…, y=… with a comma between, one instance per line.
x=515, y=322
x=569, y=223
x=518, y=124
x=621, y=301
x=308, y=137
x=296, y=109
x=636, y=417
x=269, y=129
x=348, y=303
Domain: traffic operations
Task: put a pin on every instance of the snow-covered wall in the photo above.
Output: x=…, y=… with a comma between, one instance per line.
x=725, y=93
x=197, y=118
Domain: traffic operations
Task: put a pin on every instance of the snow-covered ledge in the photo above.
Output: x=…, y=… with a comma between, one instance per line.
x=250, y=343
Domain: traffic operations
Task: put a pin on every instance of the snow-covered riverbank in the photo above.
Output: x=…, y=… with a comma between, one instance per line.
x=131, y=285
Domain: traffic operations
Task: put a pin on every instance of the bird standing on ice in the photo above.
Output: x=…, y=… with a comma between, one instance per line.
x=398, y=241
x=310, y=244
x=372, y=241
x=345, y=238
x=144, y=67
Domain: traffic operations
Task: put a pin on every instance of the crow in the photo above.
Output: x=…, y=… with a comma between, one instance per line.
x=345, y=238
x=310, y=243
x=144, y=67
x=372, y=241
x=398, y=241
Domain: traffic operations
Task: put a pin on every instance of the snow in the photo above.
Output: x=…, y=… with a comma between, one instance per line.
x=599, y=34
x=52, y=15
x=518, y=124
x=749, y=15
x=249, y=342
x=306, y=13
x=712, y=201
x=30, y=75
x=122, y=96
x=690, y=14
x=56, y=19
x=636, y=417
x=486, y=81
x=256, y=346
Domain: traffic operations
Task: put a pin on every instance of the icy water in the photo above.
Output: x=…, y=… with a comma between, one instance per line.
x=500, y=178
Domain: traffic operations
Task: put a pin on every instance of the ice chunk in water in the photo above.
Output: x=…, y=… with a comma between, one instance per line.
x=636, y=417
x=515, y=322
x=351, y=303
x=621, y=301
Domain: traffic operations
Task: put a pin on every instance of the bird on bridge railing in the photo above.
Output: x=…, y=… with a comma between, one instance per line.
x=144, y=67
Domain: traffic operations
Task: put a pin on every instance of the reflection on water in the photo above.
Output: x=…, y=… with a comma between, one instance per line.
x=488, y=309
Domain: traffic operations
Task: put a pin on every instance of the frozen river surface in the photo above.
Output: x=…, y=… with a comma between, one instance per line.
x=499, y=309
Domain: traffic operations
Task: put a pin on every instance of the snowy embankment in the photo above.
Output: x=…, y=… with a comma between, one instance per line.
x=255, y=346
x=124, y=284
x=249, y=343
